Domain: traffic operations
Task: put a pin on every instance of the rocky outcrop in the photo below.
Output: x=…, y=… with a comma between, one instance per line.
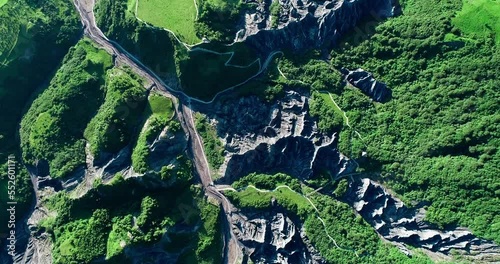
x=305, y=24
x=166, y=148
x=274, y=138
x=272, y=237
x=364, y=81
x=398, y=223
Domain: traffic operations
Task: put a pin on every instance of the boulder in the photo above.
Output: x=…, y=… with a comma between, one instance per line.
x=364, y=81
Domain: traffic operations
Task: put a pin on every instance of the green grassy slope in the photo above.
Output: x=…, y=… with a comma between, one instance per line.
x=214, y=150
x=479, y=18
x=178, y=16
x=34, y=38
x=204, y=74
x=153, y=46
x=119, y=116
x=87, y=101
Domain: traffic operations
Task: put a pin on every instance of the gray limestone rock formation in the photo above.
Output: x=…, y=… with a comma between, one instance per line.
x=272, y=237
x=166, y=148
x=364, y=81
x=400, y=224
x=281, y=137
x=304, y=24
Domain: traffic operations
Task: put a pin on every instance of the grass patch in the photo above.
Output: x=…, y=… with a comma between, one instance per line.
x=131, y=4
x=27, y=32
x=330, y=117
x=479, y=18
x=204, y=74
x=328, y=101
x=160, y=105
x=252, y=198
x=211, y=142
x=176, y=15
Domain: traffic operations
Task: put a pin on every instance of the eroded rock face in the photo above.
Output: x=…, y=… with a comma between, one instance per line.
x=272, y=237
x=364, y=81
x=396, y=222
x=306, y=24
x=166, y=148
x=274, y=138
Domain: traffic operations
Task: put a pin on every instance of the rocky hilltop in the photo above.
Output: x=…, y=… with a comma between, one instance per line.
x=272, y=237
x=281, y=137
x=303, y=24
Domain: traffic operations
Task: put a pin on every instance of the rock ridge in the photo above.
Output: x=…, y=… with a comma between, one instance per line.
x=304, y=24
x=406, y=226
x=281, y=137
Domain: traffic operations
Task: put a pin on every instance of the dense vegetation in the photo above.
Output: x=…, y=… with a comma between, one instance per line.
x=35, y=35
x=131, y=213
x=275, y=12
x=322, y=107
x=311, y=73
x=357, y=241
x=52, y=129
x=217, y=19
x=117, y=118
x=24, y=193
x=437, y=140
x=214, y=150
x=203, y=74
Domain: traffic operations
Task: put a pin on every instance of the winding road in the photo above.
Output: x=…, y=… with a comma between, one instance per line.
x=184, y=113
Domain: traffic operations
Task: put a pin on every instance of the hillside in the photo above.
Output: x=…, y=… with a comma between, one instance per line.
x=209, y=131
